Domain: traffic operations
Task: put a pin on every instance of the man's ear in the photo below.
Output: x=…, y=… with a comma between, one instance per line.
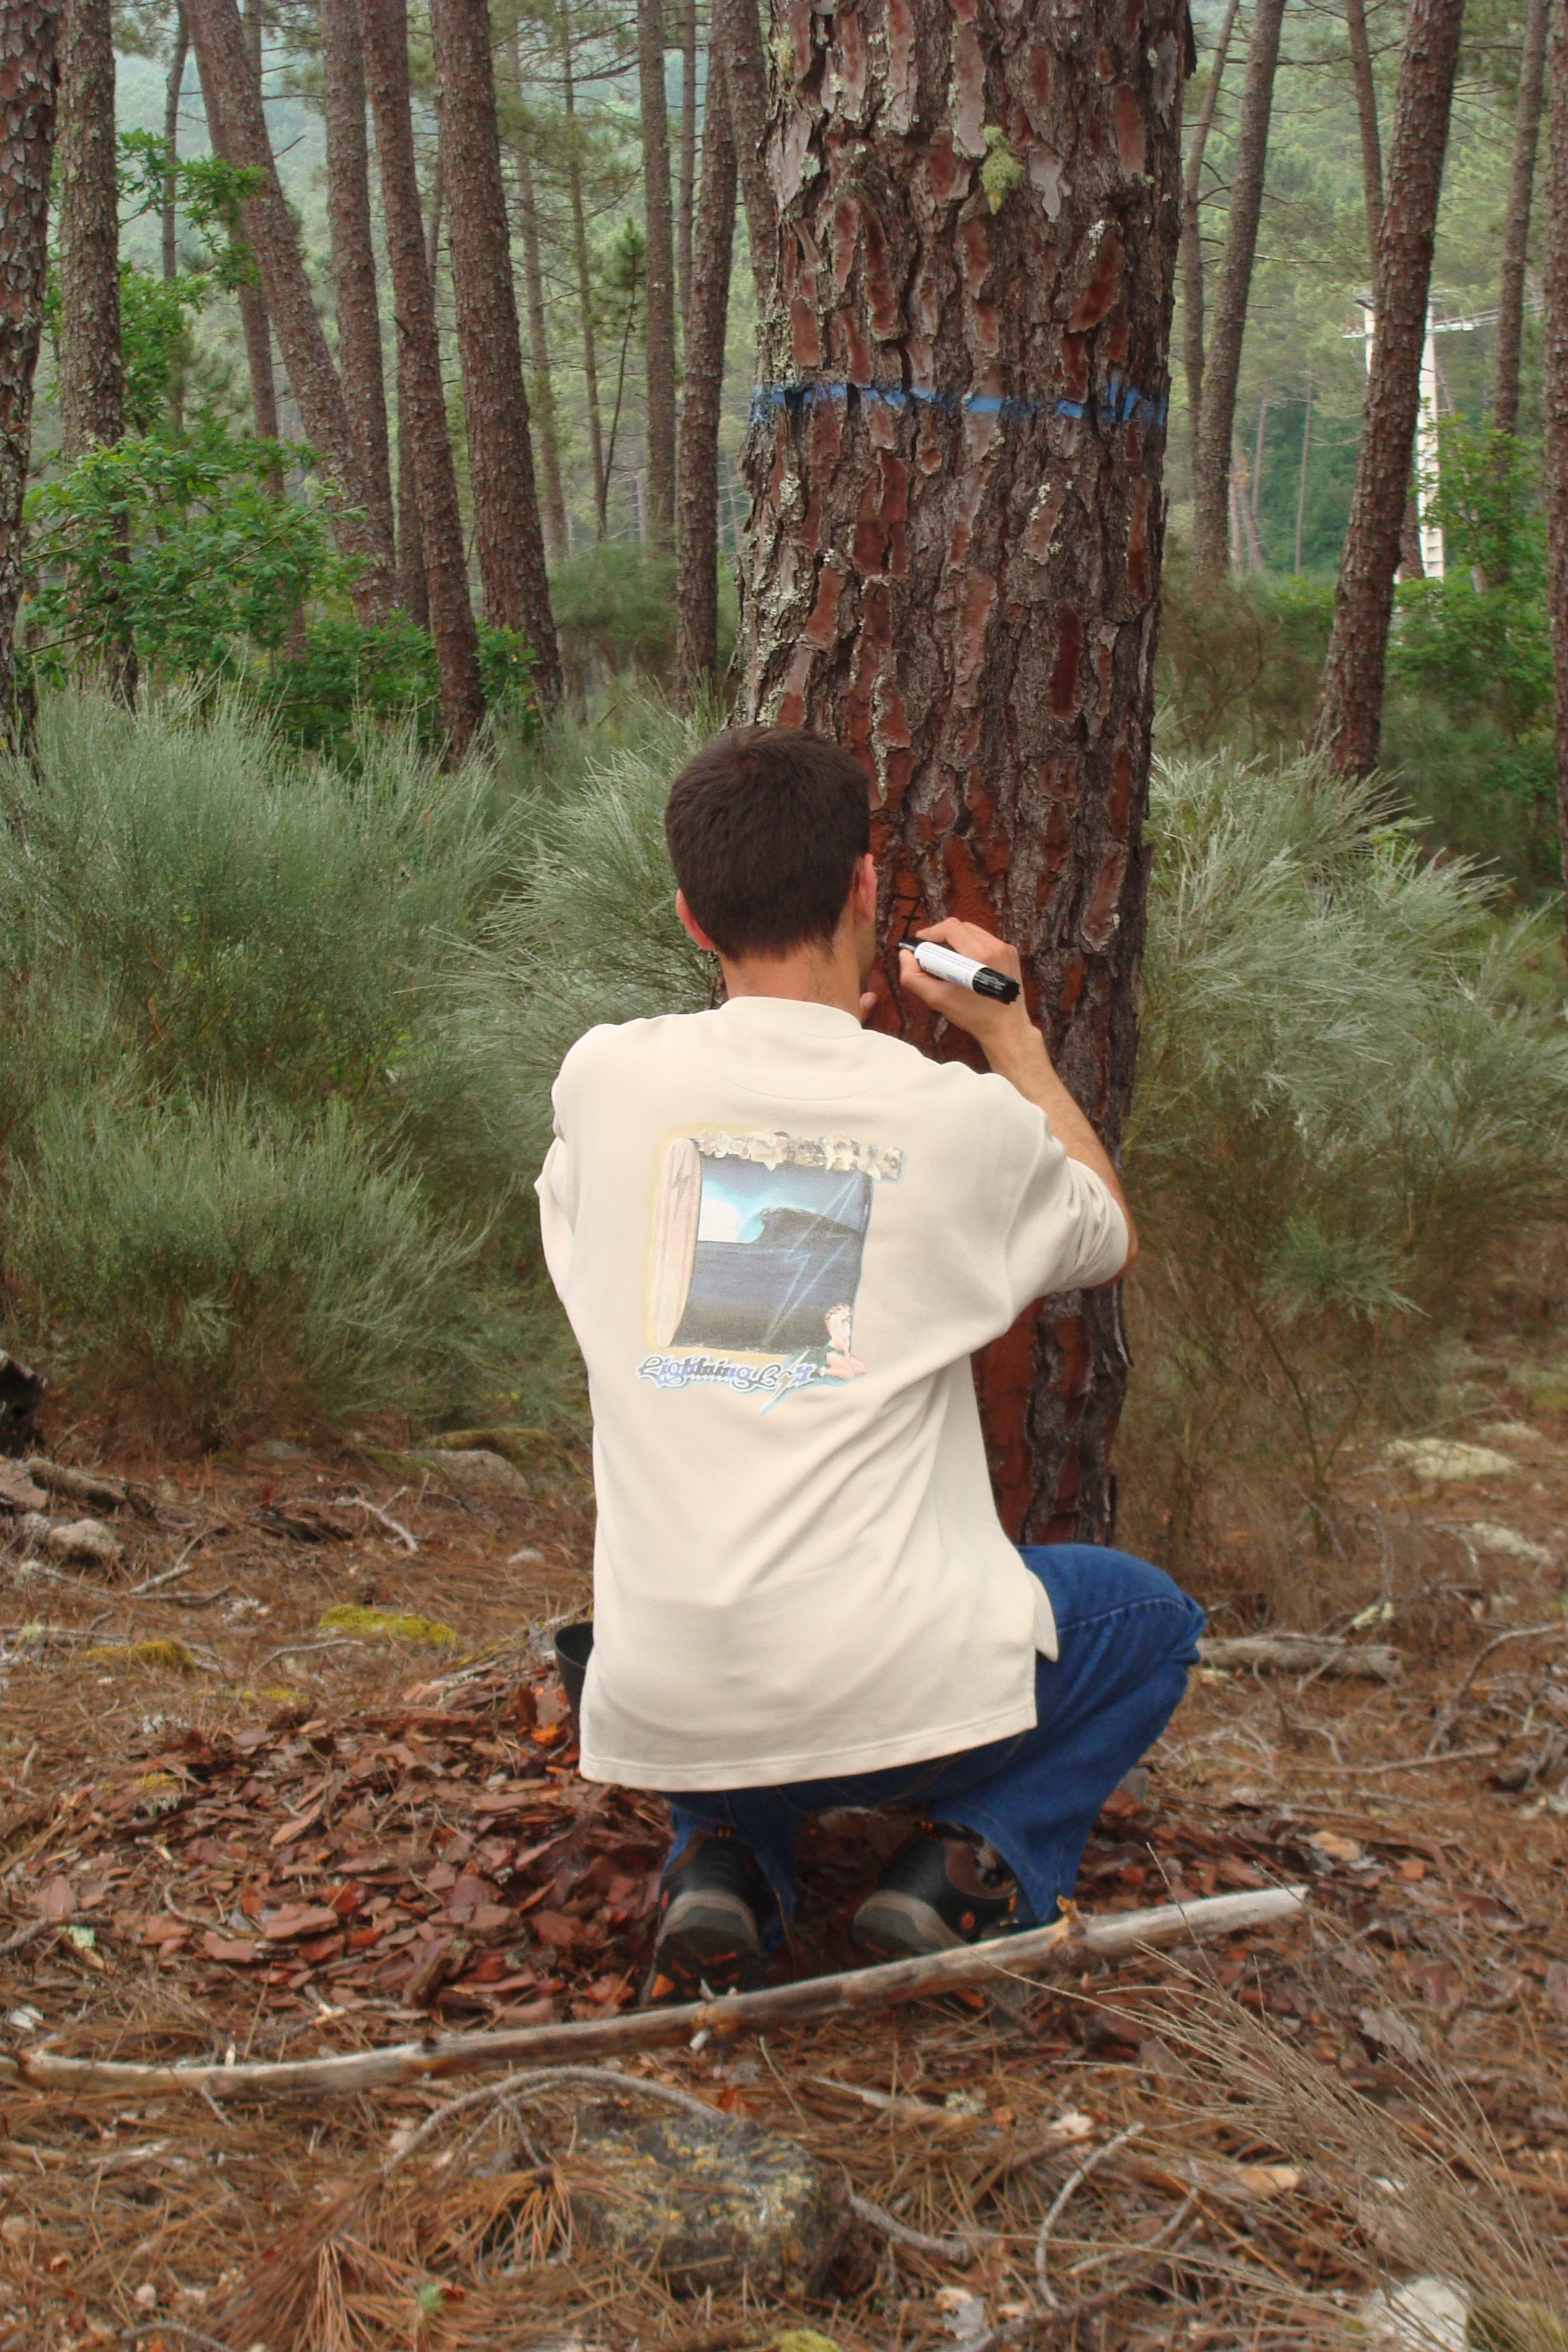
x=863, y=889
x=692, y=927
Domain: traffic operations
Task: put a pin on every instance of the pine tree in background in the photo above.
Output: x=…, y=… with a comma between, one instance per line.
x=697, y=542
x=269, y=228
x=383, y=40
x=92, y=361
x=685, y=203
x=1349, y=701
x=507, y=529
x=659, y=327
x=737, y=38
x=173, y=91
x=1554, y=472
x=1192, y=245
x=354, y=258
x=1212, y=459
x=956, y=472
x=580, y=261
x=546, y=428
x=27, y=145
x=1516, y=222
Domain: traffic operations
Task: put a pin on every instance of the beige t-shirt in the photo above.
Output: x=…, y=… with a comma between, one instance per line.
x=779, y=1238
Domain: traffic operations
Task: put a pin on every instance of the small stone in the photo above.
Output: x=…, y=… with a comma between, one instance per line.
x=1439, y=1459
x=84, y=1543
x=278, y=1449
x=1428, y=2315
x=1490, y=1534
x=703, y=2204
x=473, y=1471
x=146, y=2297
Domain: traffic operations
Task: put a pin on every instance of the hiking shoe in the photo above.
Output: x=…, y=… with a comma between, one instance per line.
x=946, y=1887
x=713, y=1907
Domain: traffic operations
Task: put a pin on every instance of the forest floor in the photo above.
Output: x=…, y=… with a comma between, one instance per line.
x=270, y=1837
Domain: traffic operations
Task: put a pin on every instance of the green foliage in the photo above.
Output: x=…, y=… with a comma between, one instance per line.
x=347, y=672
x=232, y=1260
x=224, y=1167
x=180, y=538
x=1341, y=1112
x=1239, y=664
x=207, y=190
x=615, y=608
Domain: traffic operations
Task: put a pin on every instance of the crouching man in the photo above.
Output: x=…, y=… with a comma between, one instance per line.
x=780, y=1238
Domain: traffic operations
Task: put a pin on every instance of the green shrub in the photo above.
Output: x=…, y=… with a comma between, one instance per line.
x=229, y=1261
x=1341, y=1113
x=615, y=608
x=346, y=674
x=1238, y=666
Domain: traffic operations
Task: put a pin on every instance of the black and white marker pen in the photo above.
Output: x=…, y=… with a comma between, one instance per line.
x=945, y=964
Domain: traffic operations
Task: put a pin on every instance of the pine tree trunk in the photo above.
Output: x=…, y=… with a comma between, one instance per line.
x=735, y=35
x=1516, y=224
x=354, y=258
x=1350, y=700
x=696, y=546
x=538, y=326
x=1191, y=248
x=92, y=374
x=1366, y=119
x=1301, y=485
x=507, y=529
x=955, y=463
x=1554, y=362
x=173, y=90
x=1222, y=366
x=683, y=229
x=270, y=230
x=32, y=37
x=91, y=365
x=255, y=324
x=584, y=279
x=384, y=41
x=412, y=592
x=660, y=327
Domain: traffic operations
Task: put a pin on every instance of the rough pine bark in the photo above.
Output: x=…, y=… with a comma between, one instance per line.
x=91, y=363
x=696, y=504
x=580, y=257
x=687, y=195
x=384, y=39
x=1366, y=120
x=1232, y=286
x=659, y=324
x=255, y=325
x=1516, y=221
x=172, y=91
x=1555, y=360
x=412, y=592
x=507, y=530
x=1350, y=698
x=736, y=37
x=29, y=39
x=354, y=258
x=270, y=231
x=956, y=463
x=1192, y=247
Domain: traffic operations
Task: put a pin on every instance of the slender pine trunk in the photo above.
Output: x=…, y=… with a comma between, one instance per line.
x=660, y=325
x=1302, y=486
x=172, y=91
x=1192, y=248
x=735, y=35
x=545, y=418
x=27, y=87
x=1516, y=222
x=697, y=545
x=1554, y=362
x=507, y=528
x=1366, y=121
x=354, y=258
x=584, y=279
x=687, y=199
x=1222, y=367
x=1350, y=700
x=92, y=361
x=384, y=39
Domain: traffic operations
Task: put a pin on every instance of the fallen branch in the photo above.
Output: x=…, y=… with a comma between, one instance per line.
x=939, y=2250
x=100, y=1491
x=1064, y=1946
x=383, y=1518
x=1412, y=1763
x=1449, y=1712
x=1302, y=1653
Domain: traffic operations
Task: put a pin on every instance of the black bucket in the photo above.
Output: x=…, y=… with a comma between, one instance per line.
x=574, y=1645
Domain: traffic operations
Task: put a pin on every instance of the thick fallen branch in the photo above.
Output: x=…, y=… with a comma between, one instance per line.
x=1305, y=1654
x=1064, y=1946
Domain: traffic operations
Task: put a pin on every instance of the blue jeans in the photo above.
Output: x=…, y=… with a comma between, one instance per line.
x=1126, y=1635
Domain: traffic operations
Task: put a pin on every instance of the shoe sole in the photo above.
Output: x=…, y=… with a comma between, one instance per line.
x=709, y=1939
x=894, y=1926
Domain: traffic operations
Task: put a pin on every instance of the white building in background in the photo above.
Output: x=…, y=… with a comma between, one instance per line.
x=1440, y=321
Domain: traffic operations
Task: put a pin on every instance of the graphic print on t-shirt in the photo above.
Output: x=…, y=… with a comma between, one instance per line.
x=756, y=1256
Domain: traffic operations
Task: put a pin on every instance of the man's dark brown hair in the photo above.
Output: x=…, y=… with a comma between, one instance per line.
x=765, y=827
